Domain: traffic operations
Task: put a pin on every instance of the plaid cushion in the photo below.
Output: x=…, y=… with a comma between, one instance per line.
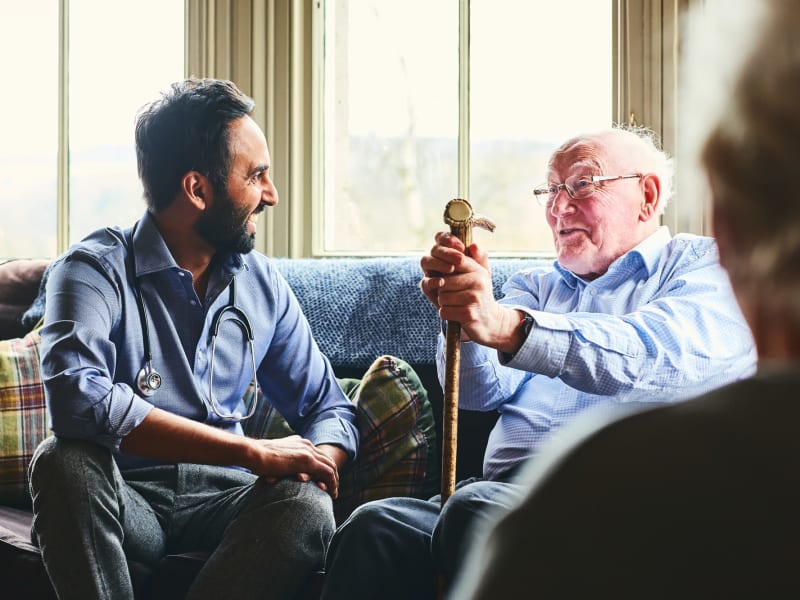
x=24, y=420
x=398, y=454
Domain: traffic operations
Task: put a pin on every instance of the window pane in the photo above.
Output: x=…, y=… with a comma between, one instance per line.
x=390, y=122
x=113, y=72
x=390, y=155
x=540, y=71
x=28, y=128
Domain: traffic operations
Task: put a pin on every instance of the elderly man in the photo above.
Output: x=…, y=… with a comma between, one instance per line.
x=626, y=314
x=699, y=499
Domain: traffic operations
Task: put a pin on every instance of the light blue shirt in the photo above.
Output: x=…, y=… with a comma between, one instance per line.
x=92, y=344
x=661, y=325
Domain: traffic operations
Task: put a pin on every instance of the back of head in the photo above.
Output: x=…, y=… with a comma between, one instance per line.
x=186, y=129
x=751, y=154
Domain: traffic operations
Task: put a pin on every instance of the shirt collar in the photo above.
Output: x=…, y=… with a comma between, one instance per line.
x=152, y=254
x=647, y=253
x=649, y=250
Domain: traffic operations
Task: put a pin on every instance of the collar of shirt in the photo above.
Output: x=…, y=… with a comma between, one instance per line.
x=152, y=254
x=648, y=253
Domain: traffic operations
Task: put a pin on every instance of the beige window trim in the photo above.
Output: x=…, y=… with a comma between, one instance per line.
x=264, y=46
x=646, y=88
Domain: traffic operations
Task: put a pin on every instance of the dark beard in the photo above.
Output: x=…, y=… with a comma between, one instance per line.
x=224, y=228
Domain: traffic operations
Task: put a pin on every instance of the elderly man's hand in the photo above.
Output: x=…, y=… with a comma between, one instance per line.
x=459, y=284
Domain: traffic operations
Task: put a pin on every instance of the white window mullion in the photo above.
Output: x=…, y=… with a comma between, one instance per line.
x=463, y=99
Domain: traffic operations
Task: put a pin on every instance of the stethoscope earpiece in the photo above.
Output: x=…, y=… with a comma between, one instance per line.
x=148, y=380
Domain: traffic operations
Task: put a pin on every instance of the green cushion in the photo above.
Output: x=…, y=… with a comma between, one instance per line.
x=398, y=454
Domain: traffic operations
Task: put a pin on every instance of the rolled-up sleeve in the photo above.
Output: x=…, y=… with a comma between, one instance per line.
x=78, y=357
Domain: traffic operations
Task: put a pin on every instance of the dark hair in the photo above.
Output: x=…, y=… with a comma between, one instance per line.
x=187, y=129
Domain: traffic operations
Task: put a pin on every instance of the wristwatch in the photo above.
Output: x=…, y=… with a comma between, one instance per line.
x=526, y=325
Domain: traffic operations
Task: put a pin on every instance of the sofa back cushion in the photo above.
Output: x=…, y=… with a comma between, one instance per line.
x=362, y=308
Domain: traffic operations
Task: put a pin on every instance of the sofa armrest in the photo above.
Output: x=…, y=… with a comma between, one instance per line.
x=19, y=285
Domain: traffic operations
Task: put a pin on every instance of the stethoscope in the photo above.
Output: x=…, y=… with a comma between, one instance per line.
x=148, y=379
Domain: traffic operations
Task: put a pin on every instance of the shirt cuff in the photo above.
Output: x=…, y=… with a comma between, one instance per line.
x=334, y=431
x=545, y=349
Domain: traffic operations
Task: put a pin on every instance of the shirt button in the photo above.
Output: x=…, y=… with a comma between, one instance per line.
x=181, y=274
x=192, y=302
x=593, y=292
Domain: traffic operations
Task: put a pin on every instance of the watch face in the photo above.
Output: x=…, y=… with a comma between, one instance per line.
x=527, y=324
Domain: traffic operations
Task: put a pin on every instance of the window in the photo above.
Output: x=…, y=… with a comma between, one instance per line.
x=403, y=133
x=29, y=125
x=336, y=88
x=111, y=58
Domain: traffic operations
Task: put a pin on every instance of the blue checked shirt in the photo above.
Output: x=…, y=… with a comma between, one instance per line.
x=92, y=345
x=661, y=325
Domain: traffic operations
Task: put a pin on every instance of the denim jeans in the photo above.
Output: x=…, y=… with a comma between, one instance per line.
x=398, y=548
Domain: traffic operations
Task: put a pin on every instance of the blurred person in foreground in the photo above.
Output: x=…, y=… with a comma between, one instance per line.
x=628, y=313
x=698, y=499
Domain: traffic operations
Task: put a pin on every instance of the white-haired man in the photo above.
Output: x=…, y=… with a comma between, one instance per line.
x=626, y=314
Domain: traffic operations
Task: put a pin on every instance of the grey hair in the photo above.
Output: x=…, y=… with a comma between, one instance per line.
x=644, y=143
x=654, y=155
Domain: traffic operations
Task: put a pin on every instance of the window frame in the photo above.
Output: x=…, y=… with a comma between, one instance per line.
x=270, y=48
x=63, y=144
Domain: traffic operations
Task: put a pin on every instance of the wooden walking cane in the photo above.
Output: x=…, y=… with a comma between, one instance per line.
x=459, y=216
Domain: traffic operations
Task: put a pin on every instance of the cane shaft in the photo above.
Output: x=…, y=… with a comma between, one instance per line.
x=451, y=377
x=450, y=418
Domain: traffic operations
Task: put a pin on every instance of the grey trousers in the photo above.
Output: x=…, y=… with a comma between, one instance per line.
x=264, y=540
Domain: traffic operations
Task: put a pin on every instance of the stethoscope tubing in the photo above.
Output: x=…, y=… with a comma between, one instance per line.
x=149, y=380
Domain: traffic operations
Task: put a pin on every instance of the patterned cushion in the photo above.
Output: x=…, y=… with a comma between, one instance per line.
x=398, y=454
x=23, y=415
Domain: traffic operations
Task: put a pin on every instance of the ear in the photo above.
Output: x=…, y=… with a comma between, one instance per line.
x=651, y=200
x=196, y=189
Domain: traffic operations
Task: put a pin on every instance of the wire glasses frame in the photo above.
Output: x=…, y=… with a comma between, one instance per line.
x=579, y=187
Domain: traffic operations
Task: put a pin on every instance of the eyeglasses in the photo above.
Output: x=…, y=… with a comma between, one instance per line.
x=579, y=187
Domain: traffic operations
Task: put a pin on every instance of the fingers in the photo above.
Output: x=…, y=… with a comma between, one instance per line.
x=305, y=478
x=445, y=256
x=297, y=457
x=430, y=287
x=447, y=239
x=324, y=472
x=480, y=256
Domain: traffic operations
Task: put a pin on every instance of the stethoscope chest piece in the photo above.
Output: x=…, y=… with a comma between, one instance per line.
x=148, y=380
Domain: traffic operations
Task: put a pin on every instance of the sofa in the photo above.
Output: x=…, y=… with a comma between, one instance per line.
x=359, y=309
